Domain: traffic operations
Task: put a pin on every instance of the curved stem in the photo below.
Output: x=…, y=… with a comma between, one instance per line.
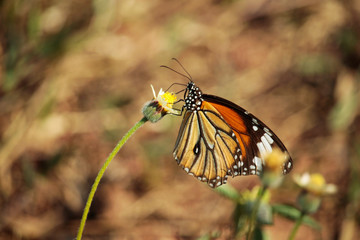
x=296, y=226
x=252, y=222
x=101, y=173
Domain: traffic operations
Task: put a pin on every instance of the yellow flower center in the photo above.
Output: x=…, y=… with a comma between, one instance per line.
x=169, y=98
x=317, y=180
x=165, y=100
x=316, y=183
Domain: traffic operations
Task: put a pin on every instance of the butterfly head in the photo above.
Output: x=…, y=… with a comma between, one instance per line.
x=193, y=97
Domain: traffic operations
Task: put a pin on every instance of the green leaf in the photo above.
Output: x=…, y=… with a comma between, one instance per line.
x=312, y=223
x=229, y=192
x=293, y=213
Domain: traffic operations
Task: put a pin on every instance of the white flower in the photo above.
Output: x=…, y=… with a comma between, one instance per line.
x=166, y=100
x=315, y=183
x=161, y=105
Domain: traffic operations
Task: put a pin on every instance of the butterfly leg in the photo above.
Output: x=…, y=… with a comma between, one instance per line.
x=179, y=110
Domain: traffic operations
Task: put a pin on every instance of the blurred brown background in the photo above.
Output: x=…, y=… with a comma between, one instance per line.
x=75, y=75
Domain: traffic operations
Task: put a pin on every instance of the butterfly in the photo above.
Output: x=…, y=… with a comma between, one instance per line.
x=218, y=138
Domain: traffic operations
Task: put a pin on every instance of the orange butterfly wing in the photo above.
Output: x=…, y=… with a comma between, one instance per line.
x=255, y=138
x=218, y=139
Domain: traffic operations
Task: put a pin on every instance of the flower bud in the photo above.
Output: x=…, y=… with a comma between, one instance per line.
x=308, y=203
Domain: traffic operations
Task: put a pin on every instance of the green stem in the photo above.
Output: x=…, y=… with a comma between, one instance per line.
x=296, y=226
x=255, y=210
x=101, y=173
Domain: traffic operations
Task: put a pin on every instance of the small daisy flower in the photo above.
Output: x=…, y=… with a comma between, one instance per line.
x=161, y=105
x=313, y=188
x=315, y=184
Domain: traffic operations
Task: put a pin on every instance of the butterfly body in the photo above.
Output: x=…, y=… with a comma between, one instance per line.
x=218, y=139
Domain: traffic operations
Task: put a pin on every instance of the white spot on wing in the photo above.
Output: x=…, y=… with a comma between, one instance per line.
x=267, y=131
x=268, y=138
x=266, y=144
x=255, y=128
x=261, y=148
x=258, y=163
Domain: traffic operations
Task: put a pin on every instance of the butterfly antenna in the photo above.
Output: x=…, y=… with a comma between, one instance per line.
x=175, y=71
x=190, y=78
